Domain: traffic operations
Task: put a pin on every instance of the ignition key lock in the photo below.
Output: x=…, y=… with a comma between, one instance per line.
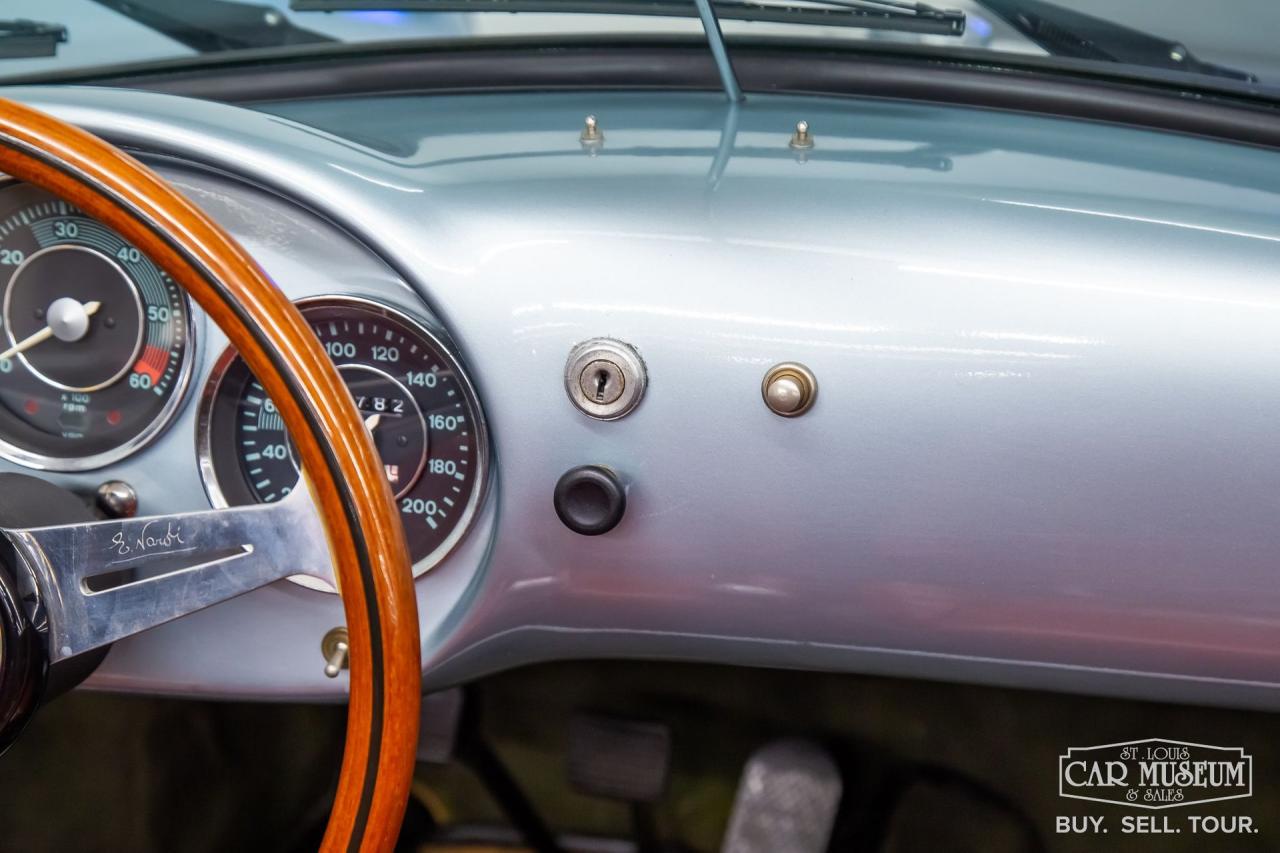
x=605, y=378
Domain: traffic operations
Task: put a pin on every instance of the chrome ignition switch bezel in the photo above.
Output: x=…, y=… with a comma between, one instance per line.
x=625, y=365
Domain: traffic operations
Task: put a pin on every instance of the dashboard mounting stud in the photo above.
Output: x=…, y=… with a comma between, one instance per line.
x=802, y=139
x=592, y=137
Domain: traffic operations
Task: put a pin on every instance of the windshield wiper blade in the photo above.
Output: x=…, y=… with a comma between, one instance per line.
x=1065, y=32
x=209, y=26
x=23, y=39
x=864, y=14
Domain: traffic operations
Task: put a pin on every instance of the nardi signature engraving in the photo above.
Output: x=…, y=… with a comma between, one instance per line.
x=149, y=540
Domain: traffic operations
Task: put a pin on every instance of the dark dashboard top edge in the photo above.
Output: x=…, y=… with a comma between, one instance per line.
x=1022, y=85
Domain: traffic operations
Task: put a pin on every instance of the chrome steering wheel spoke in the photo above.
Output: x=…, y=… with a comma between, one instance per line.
x=99, y=582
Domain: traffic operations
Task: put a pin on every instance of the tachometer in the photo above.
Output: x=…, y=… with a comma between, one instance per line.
x=95, y=343
x=417, y=404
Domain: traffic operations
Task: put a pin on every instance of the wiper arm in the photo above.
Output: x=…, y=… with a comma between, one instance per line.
x=865, y=14
x=24, y=39
x=1065, y=32
x=209, y=26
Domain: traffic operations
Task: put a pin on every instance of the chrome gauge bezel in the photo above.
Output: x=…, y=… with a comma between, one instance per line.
x=213, y=383
x=163, y=419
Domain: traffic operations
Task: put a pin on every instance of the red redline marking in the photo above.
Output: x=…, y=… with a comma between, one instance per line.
x=155, y=357
x=152, y=363
x=146, y=369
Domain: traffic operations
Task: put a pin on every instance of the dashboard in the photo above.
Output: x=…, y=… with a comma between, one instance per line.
x=1037, y=446
x=174, y=400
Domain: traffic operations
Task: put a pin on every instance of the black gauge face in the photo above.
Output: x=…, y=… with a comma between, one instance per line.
x=417, y=406
x=95, y=337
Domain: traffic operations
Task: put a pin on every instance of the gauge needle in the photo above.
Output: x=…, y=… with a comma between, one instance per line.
x=371, y=422
x=57, y=314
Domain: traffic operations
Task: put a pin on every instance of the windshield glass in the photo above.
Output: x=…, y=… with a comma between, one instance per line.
x=1219, y=45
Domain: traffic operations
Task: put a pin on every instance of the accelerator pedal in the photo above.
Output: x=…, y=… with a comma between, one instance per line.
x=787, y=800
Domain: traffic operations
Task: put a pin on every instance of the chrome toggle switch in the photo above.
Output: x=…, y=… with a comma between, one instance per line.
x=336, y=650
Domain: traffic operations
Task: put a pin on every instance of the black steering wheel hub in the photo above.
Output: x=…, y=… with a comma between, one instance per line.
x=26, y=678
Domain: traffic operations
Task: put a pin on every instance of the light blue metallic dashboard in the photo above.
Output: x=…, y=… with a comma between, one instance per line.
x=1044, y=449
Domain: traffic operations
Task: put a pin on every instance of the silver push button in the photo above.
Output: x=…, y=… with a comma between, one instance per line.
x=789, y=389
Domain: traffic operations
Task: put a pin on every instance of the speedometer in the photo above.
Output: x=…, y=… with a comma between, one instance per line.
x=95, y=345
x=417, y=404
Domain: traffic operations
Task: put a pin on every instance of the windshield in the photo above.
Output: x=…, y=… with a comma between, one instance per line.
x=1228, y=44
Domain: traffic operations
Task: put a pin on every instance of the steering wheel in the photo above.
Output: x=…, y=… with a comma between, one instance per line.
x=51, y=614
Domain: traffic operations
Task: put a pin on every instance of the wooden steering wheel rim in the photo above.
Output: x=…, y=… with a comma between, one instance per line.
x=366, y=540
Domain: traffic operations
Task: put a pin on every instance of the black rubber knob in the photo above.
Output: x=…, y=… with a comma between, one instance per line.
x=590, y=500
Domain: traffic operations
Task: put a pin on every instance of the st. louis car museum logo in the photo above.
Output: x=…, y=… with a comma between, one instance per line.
x=1155, y=773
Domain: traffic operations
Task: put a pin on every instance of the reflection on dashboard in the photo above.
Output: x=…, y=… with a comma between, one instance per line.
x=96, y=338
x=414, y=399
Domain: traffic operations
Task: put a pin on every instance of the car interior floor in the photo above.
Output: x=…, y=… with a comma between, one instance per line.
x=921, y=766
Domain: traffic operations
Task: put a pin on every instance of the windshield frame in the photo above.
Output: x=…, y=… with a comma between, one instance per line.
x=1010, y=44
x=267, y=59
x=1162, y=99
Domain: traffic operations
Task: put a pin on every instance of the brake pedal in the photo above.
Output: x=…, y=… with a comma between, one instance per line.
x=626, y=760
x=617, y=758
x=787, y=800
